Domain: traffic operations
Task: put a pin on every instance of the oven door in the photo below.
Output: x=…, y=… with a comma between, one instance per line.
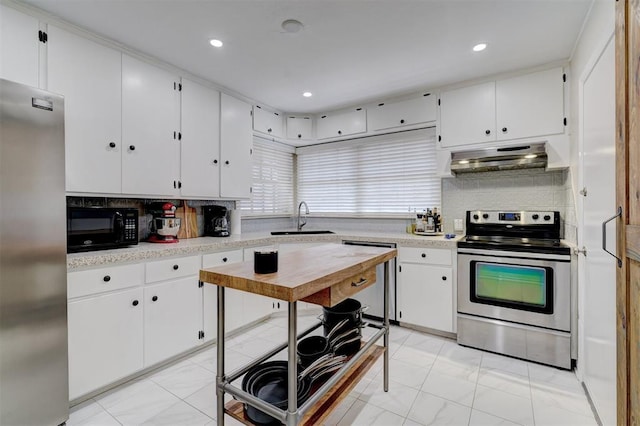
x=526, y=288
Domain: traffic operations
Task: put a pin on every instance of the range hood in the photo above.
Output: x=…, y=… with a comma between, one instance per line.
x=526, y=156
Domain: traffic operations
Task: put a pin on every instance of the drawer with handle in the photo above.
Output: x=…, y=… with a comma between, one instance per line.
x=222, y=258
x=93, y=281
x=162, y=270
x=431, y=256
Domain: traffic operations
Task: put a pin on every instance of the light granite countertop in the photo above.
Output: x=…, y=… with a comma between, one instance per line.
x=149, y=251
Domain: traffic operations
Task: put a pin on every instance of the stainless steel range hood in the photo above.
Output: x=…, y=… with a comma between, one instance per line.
x=526, y=156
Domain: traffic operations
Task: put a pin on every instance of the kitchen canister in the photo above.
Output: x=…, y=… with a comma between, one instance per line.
x=265, y=261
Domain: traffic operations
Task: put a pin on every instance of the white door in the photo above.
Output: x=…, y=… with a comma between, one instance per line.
x=236, y=142
x=150, y=125
x=89, y=76
x=105, y=340
x=530, y=105
x=468, y=115
x=598, y=282
x=200, y=144
x=18, y=46
x=172, y=319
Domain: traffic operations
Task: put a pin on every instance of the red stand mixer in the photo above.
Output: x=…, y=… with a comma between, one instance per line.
x=165, y=226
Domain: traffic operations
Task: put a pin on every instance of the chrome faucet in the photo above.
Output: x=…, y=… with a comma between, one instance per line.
x=306, y=211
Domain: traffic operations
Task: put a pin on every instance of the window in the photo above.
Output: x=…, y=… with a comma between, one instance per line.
x=272, y=187
x=376, y=175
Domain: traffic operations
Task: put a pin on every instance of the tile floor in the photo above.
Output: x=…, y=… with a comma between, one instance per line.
x=433, y=382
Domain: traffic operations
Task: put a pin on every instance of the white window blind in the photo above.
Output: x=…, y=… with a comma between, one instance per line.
x=378, y=175
x=272, y=180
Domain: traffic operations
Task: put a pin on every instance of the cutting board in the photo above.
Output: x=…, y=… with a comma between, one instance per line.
x=189, y=223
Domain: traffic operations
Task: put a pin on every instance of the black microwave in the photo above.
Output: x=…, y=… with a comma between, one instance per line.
x=100, y=228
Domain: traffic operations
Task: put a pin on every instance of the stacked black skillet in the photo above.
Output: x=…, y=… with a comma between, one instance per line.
x=318, y=356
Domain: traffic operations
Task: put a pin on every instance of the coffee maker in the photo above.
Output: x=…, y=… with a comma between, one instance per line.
x=215, y=221
x=164, y=225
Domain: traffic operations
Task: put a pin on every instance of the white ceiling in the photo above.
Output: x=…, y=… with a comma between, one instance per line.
x=349, y=52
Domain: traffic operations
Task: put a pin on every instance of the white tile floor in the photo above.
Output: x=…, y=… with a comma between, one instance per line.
x=433, y=382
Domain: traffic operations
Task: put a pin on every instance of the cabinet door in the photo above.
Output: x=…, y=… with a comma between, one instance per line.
x=18, y=46
x=200, y=144
x=150, y=120
x=256, y=307
x=299, y=128
x=468, y=115
x=172, y=318
x=233, y=298
x=267, y=122
x=236, y=142
x=105, y=340
x=342, y=124
x=425, y=296
x=404, y=113
x=530, y=105
x=89, y=77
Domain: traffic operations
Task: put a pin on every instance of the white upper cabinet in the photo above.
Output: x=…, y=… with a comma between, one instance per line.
x=526, y=106
x=299, y=128
x=530, y=105
x=18, y=46
x=468, y=115
x=337, y=125
x=150, y=129
x=410, y=112
x=267, y=122
x=200, y=144
x=89, y=76
x=236, y=141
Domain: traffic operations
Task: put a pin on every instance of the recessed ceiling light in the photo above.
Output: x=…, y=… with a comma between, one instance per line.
x=292, y=26
x=479, y=47
x=463, y=162
x=215, y=43
x=307, y=94
x=529, y=156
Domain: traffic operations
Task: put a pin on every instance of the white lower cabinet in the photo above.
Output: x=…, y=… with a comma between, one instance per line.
x=172, y=318
x=105, y=339
x=425, y=292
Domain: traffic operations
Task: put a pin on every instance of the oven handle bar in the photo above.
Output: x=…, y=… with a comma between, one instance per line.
x=604, y=235
x=515, y=254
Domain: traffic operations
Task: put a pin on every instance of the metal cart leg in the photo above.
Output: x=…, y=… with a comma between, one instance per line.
x=386, y=325
x=292, y=412
x=220, y=371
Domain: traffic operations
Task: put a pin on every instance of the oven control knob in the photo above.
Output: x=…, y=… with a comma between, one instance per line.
x=485, y=216
x=535, y=217
x=547, y=217
x=476, y=217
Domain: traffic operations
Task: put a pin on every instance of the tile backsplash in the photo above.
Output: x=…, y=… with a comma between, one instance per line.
x=533, y=189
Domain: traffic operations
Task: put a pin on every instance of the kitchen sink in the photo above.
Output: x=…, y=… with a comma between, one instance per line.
x=307, y=232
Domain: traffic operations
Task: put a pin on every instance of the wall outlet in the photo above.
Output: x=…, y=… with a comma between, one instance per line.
x=457, y=225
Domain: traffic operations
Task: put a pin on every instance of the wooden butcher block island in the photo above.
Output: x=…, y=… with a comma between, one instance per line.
x=324, y=275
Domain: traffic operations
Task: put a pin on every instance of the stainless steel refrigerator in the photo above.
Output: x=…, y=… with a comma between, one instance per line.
x=34, y=386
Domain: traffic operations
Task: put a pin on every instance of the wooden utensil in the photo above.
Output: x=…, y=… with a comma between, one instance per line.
x=189, y=225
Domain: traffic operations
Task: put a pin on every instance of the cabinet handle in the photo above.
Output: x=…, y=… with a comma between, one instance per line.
x=299, y=135
x=215, y=161
x=154, y=298
x=360, y=283
x=278, y=305
x=402, y=121
x=504, y=130
x=424, y=255
x=106, y=278
x=175, y=267
x=112, y=144
x=226, y=162
x=487, y=132
x=224, y=259
x=135, y=303
x=132, y=147
x=269, y=130
x=339, y=132
x=444, y=278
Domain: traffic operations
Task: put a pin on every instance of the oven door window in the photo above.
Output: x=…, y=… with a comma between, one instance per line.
x=522, y=287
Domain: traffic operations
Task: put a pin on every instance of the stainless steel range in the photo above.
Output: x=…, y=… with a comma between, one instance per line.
x=514, y=286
